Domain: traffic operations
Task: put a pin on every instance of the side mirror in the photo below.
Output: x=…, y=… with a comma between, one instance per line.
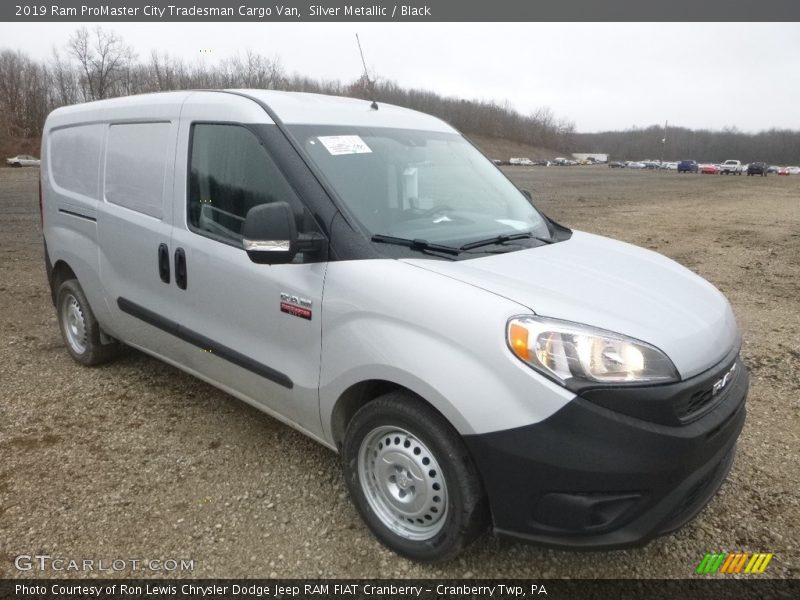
x=270, y=234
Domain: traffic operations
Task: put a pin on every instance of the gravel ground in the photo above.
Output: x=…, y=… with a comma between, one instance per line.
x=137, y=460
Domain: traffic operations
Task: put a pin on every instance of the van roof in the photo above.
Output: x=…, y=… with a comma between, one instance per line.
x=294, y=108
x=319, y=109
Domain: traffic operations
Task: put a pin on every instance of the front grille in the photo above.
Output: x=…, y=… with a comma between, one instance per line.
x=689, y=407
x=674, y=404
x=686, y=408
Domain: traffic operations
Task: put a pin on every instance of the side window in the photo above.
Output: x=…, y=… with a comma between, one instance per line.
x=136, y=159
x=230, y=173
x=74, y=154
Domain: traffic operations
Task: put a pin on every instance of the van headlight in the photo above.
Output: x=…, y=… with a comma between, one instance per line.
x=577, y=355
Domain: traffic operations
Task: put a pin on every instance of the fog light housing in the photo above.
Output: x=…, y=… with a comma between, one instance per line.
x=577, y=512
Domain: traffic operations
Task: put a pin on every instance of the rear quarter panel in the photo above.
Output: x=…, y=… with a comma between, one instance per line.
x=71, y=238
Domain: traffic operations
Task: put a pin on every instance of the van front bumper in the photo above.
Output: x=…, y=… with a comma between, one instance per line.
x=598, y=475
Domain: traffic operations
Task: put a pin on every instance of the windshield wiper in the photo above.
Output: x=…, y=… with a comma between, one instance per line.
x=415, y=244
x=502, y=239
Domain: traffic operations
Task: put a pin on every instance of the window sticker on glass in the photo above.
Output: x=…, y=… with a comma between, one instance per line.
x=344, y=144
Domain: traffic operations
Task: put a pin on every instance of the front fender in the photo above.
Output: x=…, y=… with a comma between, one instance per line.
x=439, y=337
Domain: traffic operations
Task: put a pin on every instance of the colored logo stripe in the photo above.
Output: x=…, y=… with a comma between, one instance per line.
x=758, y=563
x=726, y=566
x=723, y=562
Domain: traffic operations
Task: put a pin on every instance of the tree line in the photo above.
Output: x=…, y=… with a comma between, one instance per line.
x=97, y=63
x=774, y=146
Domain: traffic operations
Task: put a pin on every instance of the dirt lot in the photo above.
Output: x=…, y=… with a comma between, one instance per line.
x=137, y=460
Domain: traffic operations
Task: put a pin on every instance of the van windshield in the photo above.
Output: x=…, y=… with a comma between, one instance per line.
x=419, y=185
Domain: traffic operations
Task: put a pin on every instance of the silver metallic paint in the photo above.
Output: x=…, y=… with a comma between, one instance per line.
x=434, y=327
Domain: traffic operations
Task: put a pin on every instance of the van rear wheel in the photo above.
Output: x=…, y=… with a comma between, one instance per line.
x=412, y=479
x=79, y=327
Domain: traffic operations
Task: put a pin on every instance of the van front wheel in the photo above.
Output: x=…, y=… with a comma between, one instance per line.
x=79, y=328
x=412, y=479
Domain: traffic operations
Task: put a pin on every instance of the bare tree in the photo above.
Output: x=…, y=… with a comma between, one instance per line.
x=11, y=99
x=65, y=88
x=103, y=59
x=262, y=72
x=163, y=72
x=24, y=87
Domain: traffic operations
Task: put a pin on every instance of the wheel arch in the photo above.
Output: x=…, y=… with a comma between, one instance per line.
x=358, y=395
x=60, y=273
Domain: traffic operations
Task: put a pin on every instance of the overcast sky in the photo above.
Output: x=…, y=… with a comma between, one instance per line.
x=600, y=75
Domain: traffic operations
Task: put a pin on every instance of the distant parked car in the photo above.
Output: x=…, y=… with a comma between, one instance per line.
x=23, y=160
x=688, y=166
x=783, y=171
x=773, y=169
x=633, y=164
x=793, y=170
x=616, y=165
x=670, y=166
x=709, y=169
x=757, y=168
x=734, y=167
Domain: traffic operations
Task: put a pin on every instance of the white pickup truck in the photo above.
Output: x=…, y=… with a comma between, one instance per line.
x=731, y=166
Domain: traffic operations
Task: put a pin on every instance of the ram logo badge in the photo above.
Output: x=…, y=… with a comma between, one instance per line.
x=295, y=306
x=720, y=384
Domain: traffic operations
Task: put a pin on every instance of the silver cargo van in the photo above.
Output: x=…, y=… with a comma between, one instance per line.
x=365, y=275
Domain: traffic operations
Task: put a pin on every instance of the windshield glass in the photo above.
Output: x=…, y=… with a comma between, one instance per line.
x=419, y=185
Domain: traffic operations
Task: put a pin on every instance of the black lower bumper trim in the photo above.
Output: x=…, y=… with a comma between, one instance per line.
x=589, y=477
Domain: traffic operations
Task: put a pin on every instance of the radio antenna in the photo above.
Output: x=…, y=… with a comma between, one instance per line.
x=370, y=83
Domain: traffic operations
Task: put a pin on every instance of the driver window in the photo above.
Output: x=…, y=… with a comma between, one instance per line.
x=230, y=173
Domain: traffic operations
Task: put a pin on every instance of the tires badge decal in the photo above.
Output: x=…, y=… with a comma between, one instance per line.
x=295, y=306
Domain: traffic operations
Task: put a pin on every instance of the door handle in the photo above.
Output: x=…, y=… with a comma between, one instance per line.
x=180, y=268
x=163, y=262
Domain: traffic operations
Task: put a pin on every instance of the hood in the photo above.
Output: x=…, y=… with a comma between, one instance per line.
x=611, y=285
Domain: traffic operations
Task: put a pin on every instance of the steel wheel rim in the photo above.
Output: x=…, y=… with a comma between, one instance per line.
x=74, y=324
x=403, y=483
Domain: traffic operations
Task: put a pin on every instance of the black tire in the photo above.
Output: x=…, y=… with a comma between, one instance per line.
x=466, y=513
x=82, y=336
